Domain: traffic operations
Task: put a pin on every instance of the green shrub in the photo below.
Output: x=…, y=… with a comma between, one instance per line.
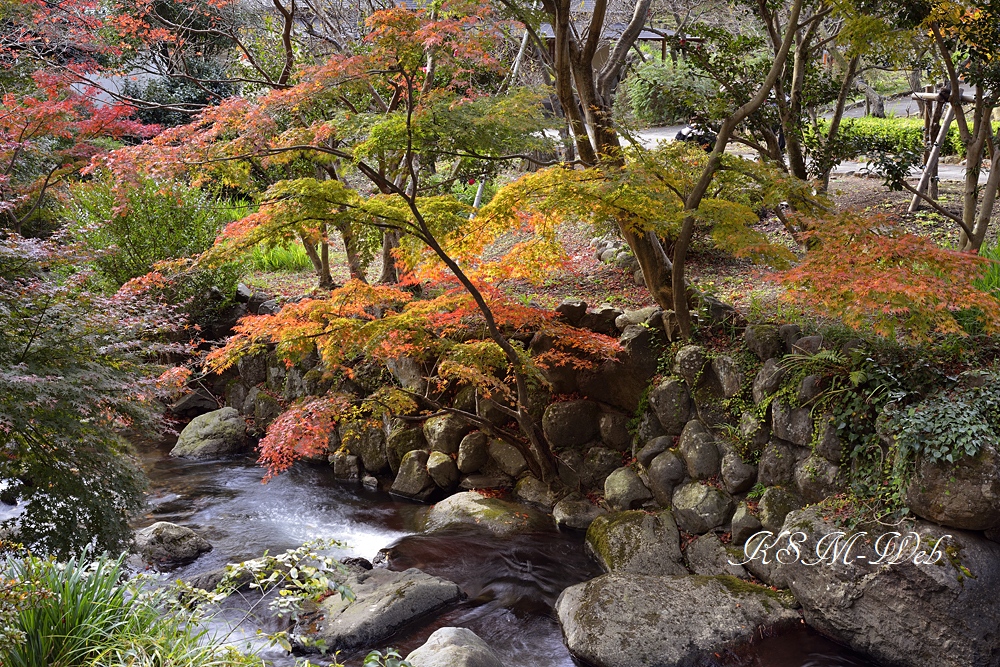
x=131, y=228
x=663, y=93
x=291, y=257
x=893, y=135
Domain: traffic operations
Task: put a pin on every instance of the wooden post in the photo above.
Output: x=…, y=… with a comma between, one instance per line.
x=931, y=167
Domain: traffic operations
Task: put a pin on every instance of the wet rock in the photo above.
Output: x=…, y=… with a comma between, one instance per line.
x=445, y=432
x=384, y=602
x=697, y=449
x=672, y=405
x=729, y=375
x=345, y=466
x=218, y=433
x=690, y=364
x=698, y=508
x=745, y=524
x=507, y=457
x=623, y=490
x=575, y=511
x=816, y=478
x=367, y=442
x=654, y=448
x=626, y=620
x=767, y=381
x=707, y=555
x=637, y=542
x=738, y=476
x=497, y=516
x=614, y=430
x=792, y=424
x=413, y=480
x=664, y=474
x=774, y=506
x=764, y=341
x=473, y=452
x=943, y=614
x=402, y=440
x=571, y=423
x=442, y=470
x=167, y=544
x=454, y=647
x=965, y=494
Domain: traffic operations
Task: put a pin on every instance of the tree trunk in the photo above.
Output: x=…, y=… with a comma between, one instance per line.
x=875, y=104
x=390, y=274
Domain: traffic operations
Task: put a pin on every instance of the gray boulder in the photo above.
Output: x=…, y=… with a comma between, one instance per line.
x=614, y=430
x=774, y=506
x=444, y=433
x=366, y=442
x=744, y=525
x=601, y=319
x=672, y=405
x=964, y=494
x=622, y=381
x=764, y=341
x=345, y=466
x=729, y=374
x=767, y=381
x=778, y=461
x=828, y=443
x=698, y=450
x=575, y=511
x=623, y=490
x=942, y=613
x=664, y=474
x=753, y=431
x=636, y=542
x=252, y=369
x=598, y=463
x=737, y=476
x=792, y=424
x=442, y=470
x=790, y=333
x=218, y=433
x=698, y=508
x=497, y=516
x=167, y=544
x=571, y=423
x=402, y=440
x=572, y=310
x=473, y=452
x=690, y=364
x=454, y=647
x=654, y=448
x=628, y=620
x=507, y=457
x=707, y=555
x=413, y=480
x=532, y=490
x=816, y=478
x=384, y=602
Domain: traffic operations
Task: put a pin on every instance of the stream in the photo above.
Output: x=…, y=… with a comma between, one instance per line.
x=511, y=583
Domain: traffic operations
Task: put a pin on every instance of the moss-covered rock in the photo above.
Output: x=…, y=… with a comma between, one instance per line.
x=217, y=433
x=497, y=516
x=636, y=542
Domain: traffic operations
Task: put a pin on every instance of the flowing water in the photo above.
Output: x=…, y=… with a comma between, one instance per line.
x=511, y=583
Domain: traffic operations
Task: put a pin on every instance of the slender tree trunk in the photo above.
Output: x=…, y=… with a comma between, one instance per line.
x=390, y=274
x=838, y=115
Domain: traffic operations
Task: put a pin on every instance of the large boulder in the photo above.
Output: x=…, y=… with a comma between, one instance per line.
x=964, y=494
x=637, y=542
x=698, y=450
x=707, y=555
x=690, y=364
x=737, y=475
x=442, y=470
x=402, y=440
x=944, y=612
x=473, y=452
x=454, y=647
x=576, y=512
x=507, y=457
x=792, y=424
x=729, y=374
x=413, y=480
x=367, y=442
x=778, y=461
x=698, y=508
x=444, y=433
x=817, y=478
x=598, y=463
x=213, y=434
x=167, y=544
x=530, y=489
x=764, y=341
x=571, y=423
x=774, y=506
x=497, y=516
x=384, y=602
x=767, y=381
x=621, y=382
x=672, y=405
x=664, y=474
x=623, y=490
x=628, y=620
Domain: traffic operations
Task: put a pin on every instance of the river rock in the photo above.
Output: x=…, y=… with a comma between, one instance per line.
x=707, y=555
x=737, y=476
x=764, y=341
x=497, y=516
x=442, y=470
x=627, y=620
x=943, y=614
x=530, y=489
x=384, y=602
x=507, y=457
x=672, y=405
x=444, y=433
x=654, y=448
x=792, y=424
x=698, y=508
x=774, y=506
x=744, y=524
x=623, y=490
x=964, y=494
x=575, y=511
x=413, y=480
x=402, y=440
x=571, y=423
x=598, y=463
x=167, y=544
x=367, y=442
x=454, y=647
x=698, y=450
x=614, y=430
x=664, y=474
x=345, y=466
x=473, y=452
x=218, y=433
x=637, y=542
